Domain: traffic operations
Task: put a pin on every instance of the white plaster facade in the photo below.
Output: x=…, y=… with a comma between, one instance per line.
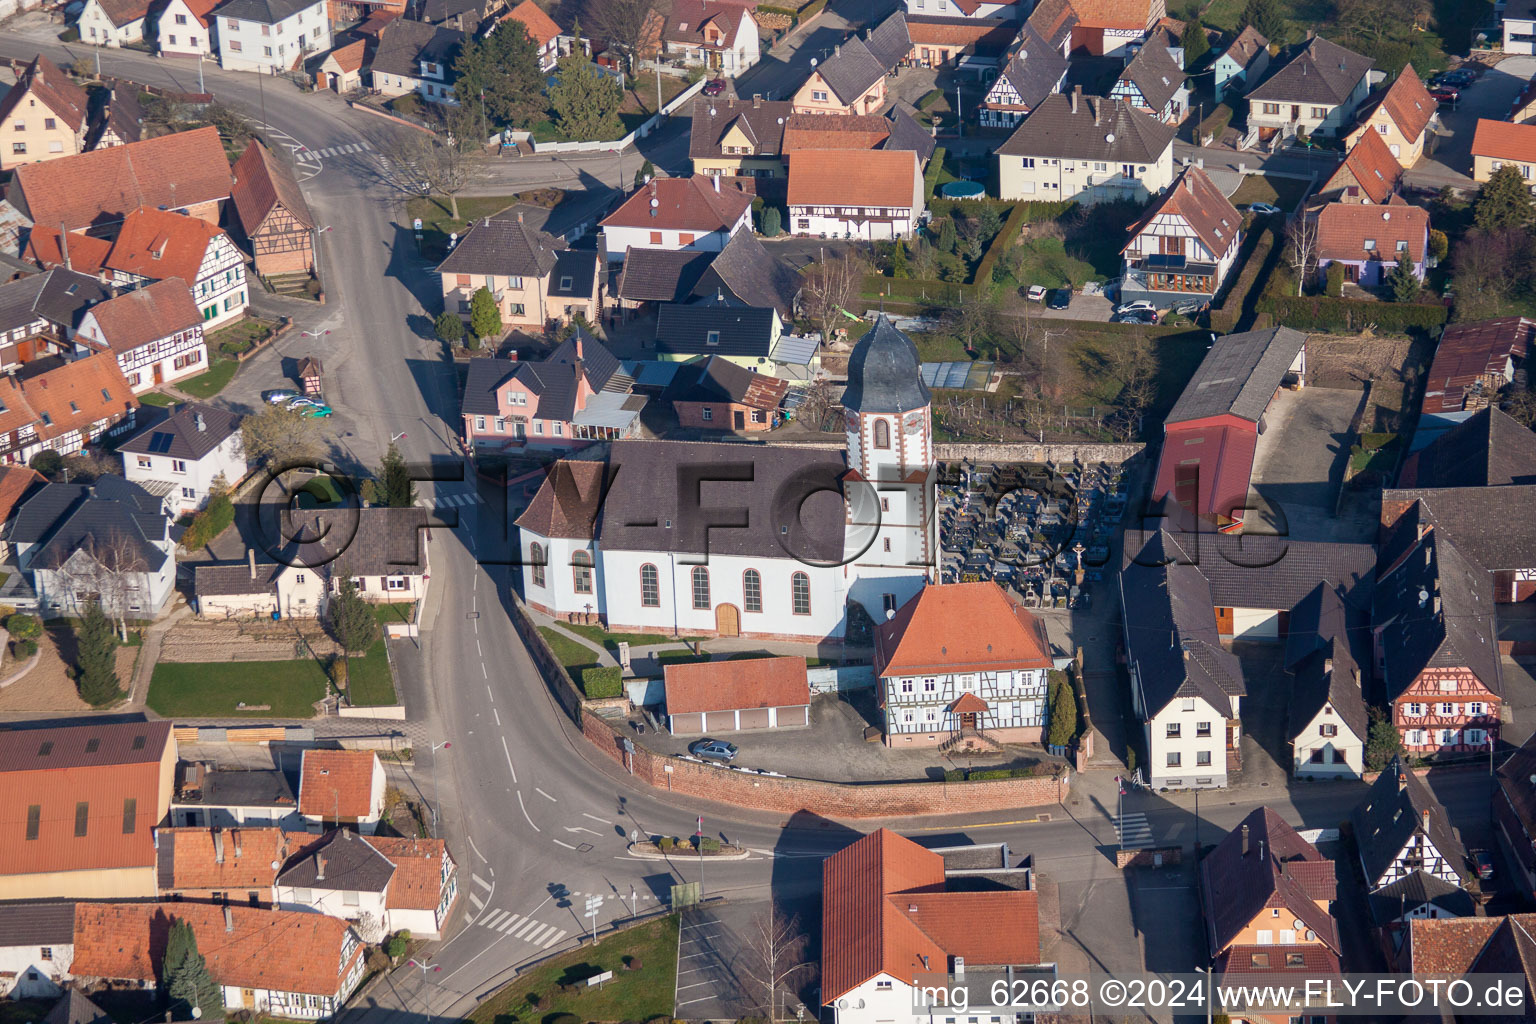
x=183, y=34
x=183, y=354
x=301, y=1005
x=728, y=49
x=1187, y=744
x=191, y=479
x=347, y=904
x=618, y=238
x=1418, y=852
x=67, y=590
x=915, y=706
x=1326, y=748
x=1169, y=233
x=252, y=45
x=1312, y=118
x=1046, y=179
x=34, y=971
x=98, y=30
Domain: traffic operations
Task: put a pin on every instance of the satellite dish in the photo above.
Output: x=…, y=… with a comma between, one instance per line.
x=842, y=1004
x=655, y=203
x=781, y=120
x=1299, y=924
x=1386, y=214
x=712, y=111
x=1109, y=137
x=275, y=865
x=813, y=62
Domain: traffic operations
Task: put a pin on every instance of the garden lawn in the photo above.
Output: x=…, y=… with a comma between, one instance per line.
x=211, y=383
x=631, y=995
x=394, y=613
x=157, y=398
x=598, y=635
x=1282, y=192
x=574, y=656
x=370, y=683
x=437, y=222
x=213, y=689
x=239, y=337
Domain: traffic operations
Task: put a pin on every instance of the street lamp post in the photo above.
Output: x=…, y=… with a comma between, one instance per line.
x=423, y=966
x=435, y=799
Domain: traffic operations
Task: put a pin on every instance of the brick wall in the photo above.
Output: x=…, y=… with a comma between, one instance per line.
x=833, y=800
x=1029, y=452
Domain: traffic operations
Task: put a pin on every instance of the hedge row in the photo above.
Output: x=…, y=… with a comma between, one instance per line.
x=1224, y=317
x=1321, y=313
x=788, y=12
x=1021, y=214
x=602, y=681
x=986, y=774
x=931, y=175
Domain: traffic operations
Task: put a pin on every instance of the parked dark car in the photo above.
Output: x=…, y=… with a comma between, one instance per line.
x=1484, y=861
x=715, y=750
x=714, y=87
x=1059, y=298
x=1460, y=78
x=1146, y=317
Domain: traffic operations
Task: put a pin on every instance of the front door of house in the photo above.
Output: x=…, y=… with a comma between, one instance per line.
x=248, y=998
x=967, y=719
x=738, y=419
x=159, y=374
x=1295, y=112
x=727, y=620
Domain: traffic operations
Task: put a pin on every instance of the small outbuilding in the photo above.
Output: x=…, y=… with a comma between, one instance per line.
x=311, y=373
x=733, y=696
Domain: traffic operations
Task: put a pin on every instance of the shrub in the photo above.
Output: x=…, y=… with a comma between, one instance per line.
x=29, y=647
x=709, y=844
x=603, y=681
x=48, y=463
x=449, y=327
x=563, y=1018
x=212, y=520
x=1326, y=313
x=931, y=175
x=23, y=627
x=1335, y=280
x=666, y=843
x=773, y=222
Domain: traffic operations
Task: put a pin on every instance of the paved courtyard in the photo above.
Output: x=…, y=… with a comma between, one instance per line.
x=1299, y=463
x=1490, y=96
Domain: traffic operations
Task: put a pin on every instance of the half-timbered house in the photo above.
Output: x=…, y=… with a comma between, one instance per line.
x=1184, y=245
x=879, y=195
x=157, y=244
x=273, y=215
x=963, y=665
x=1153, y=82
x=1031, y=73
x=1401, y=828
x=155, y=332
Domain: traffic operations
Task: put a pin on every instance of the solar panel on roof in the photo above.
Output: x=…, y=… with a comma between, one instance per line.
x=160, y=442
x=1165, y=261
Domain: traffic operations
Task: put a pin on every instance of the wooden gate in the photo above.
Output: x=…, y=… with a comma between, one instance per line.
x=727, y=620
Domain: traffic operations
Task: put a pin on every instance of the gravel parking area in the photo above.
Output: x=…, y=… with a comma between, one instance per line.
x=1299, y=465
x=48, y=689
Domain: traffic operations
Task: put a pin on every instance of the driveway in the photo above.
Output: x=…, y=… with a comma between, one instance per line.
x=1299, y=465
x=1084, y=307
x=1490, y=97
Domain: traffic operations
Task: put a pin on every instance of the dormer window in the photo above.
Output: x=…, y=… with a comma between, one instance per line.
x=712, y=338
x=566, y=282
x=1370, y=244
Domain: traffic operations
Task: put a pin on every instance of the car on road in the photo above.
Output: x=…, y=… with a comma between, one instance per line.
x=311, y=408
x=1145, y=317
x=1263, y=208
x=714, y=87
x=1036, y=293
x=1138, y=304
x=714, y=750
x=1059, y=298
x=279, y=396
x=1484, y=861
x=1460, y=78
x=1445, y=93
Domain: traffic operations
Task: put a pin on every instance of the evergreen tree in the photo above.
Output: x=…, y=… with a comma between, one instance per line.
x=484, y=315
x=503, y=67
x=1383, y=742
x=1063, y=727
x=585, y=101
x=1503, y=201
x=396, y=488
x=96, y=658
x=351, y=619
x=946, y=240
x=647, y=170
x=449, y=327
x=185, y=975
x=1403, y=285
x=1439, y=245
x=1196, y=43
x=773, y=222
x=1266, y=16
x=899, y=268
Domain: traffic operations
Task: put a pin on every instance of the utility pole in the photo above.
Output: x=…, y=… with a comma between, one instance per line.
x=200, y=88
x=435, y=748
x=262, y=89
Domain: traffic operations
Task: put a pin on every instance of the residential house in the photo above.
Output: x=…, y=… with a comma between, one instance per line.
x=1184, y=244
x=575, y=287
x=510, y=258
x=719, y=35
x=187, y=28
x=963, y=665
x=891, y=913
x=213, y=798
x=1472, y=362
x=1241, y=65
x=1523, y=110
x=717, y=326
x=1314, y=91
x=1328, y=721
x=878, y=196
x=424, y=887
x=17, y=484
x=271, y=35
x=1369, y=173
x=1459, y=516
x=677, y=213
x=339, y=874
x=270, y=962
x=1212, y=430
x=852, y=79
x=1401, y=115
x=748, y=273
x=342, y=69
x=1109, y=28
x=1417, y=896
x=1497, y=143
x=1514, y=812
x=1475, y=944
x=651, y=276
x=541, y=29
x=117, y=117
x=42, y=117
x=186, y=455
x=967, y=44
x=1085, y=148
x=71, y=250
x=49, y=404
x=549, y=402
x=107, y=543
x=1369, y=241
x=736, y=696
x=956, y=9
x=112, y=22
x=1028, y=76
x=36, y=951
x=222, y=865
x=467, y=16
x=184, y=171
x=156, y=333
x=1186, y=688
x=1153, y=82
x=846, y=131
x=342, y=787
x=717, y=395
x=39, y=312
x=1487, y=449
x=253, y=589
x=153, y=245
x=81, y=803
x=1266, y=892
x=413, y=56
x=739, y=139
x=273, y=216
x=1519, y=21
x=1401, y=828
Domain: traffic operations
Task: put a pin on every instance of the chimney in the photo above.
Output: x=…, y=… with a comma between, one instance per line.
x=250, y=556
x=319, y=867
x=837, y=51
x=1245, y=840
x=64, y=246
x=1426, y=821
x=757, y=100
x=235, y=835
x=229, y=919
x=716, y=179
x=1402, y=778
x=519, y=217
x=1437, y=604
x=202, y=426
x=1328, y=666
x=1077, y=91
x=218, y=847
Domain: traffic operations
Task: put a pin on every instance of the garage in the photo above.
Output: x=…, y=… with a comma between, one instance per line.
x=713, y=697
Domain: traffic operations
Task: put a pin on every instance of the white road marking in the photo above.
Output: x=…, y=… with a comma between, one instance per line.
x=494, y=918
x=697, y=984
x=568, y=846
x=594, y=817
x=527, y=929
x=480, y=881
x=477, y=901
x=690, y=956
x=554, y=938
x=472, y=846
x=543, y=932
x=525, y=809
x=701, y=999
x=580, y=828
x=507, y=750
x=511, y=922
x=498, y=720
x=545, y=795
x=487, y=675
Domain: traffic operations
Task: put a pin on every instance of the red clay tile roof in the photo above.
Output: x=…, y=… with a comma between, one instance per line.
x=1310, y=958
x=849, y=131
x=1130, y=14
x=189, y=858
x=688, y=18
x=968, y=703
x=56, y=90
x=1408, y=103
x=827, y=177
x=729, y=685
x=960, y=627
x=541, y=27
x=1501, y=140
x=568, y=502
x=15, y=481
x=970, y=34
x=87, y=253
x=281, y=950
x=261, y=182
x=1454, y=945
x=95, y=386
x=200, y=9
x=182, y=169
x=417, y=882
x=1343, y=228
x=337, y=783
x=1201, y=205
x=108, y=773
x=869, y=928
x=1279, y=870
x=691, y=204
x=146, y=314
x=158, y=244
x=1370, y=165
x=347, y=58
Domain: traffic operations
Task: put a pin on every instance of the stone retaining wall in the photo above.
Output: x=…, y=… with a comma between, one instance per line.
x=1162, y=856
x=1032, y=452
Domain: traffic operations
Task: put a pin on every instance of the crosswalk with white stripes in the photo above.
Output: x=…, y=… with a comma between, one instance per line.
x=523, y=929
x=1134, y=830
x=329, y=151
x=450, y=501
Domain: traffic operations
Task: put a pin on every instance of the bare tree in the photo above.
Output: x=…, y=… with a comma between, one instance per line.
x=633, y=27
x=973, y=319
x=817, y=405
x=1301, y=247
x=1136, y=370
x=279, y=433
x=107, y=568
x=832, y=287
x=776, y=944
x=425, y=165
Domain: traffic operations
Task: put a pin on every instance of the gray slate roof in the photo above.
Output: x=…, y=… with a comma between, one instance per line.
x=753, y=276
x=74, y=1008
x=1488, y=449
x=1258, y=571
x=503, y=245
x=1171, y=622
x=684, y=328
x=179, y=436
x=580, y=265
x=263, y=788
x=58, y=295
x=62, y=518
x=1392, y=812
x=1327, y=673
x=662, y=275
x=552, y=379
x=1155, y=74
x=761, y=121
x=1110, y=130
x=907, y=134
x=1317, y=72
x=350, y=864
x=358, y=542
x=1405, y=895
x=890, y=41
x=267, y=12
x=218, y=579
x=883, y=372
x=852, y=69
x=1490, y=525
x=38, y=922
x=1239, y=375
x=1035, y=70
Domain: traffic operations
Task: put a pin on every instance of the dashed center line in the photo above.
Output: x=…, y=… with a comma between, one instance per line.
x=508, y=751
x=498, y=717
x=524, y=809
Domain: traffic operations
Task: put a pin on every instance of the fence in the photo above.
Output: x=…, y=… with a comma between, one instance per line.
x=651, y=124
